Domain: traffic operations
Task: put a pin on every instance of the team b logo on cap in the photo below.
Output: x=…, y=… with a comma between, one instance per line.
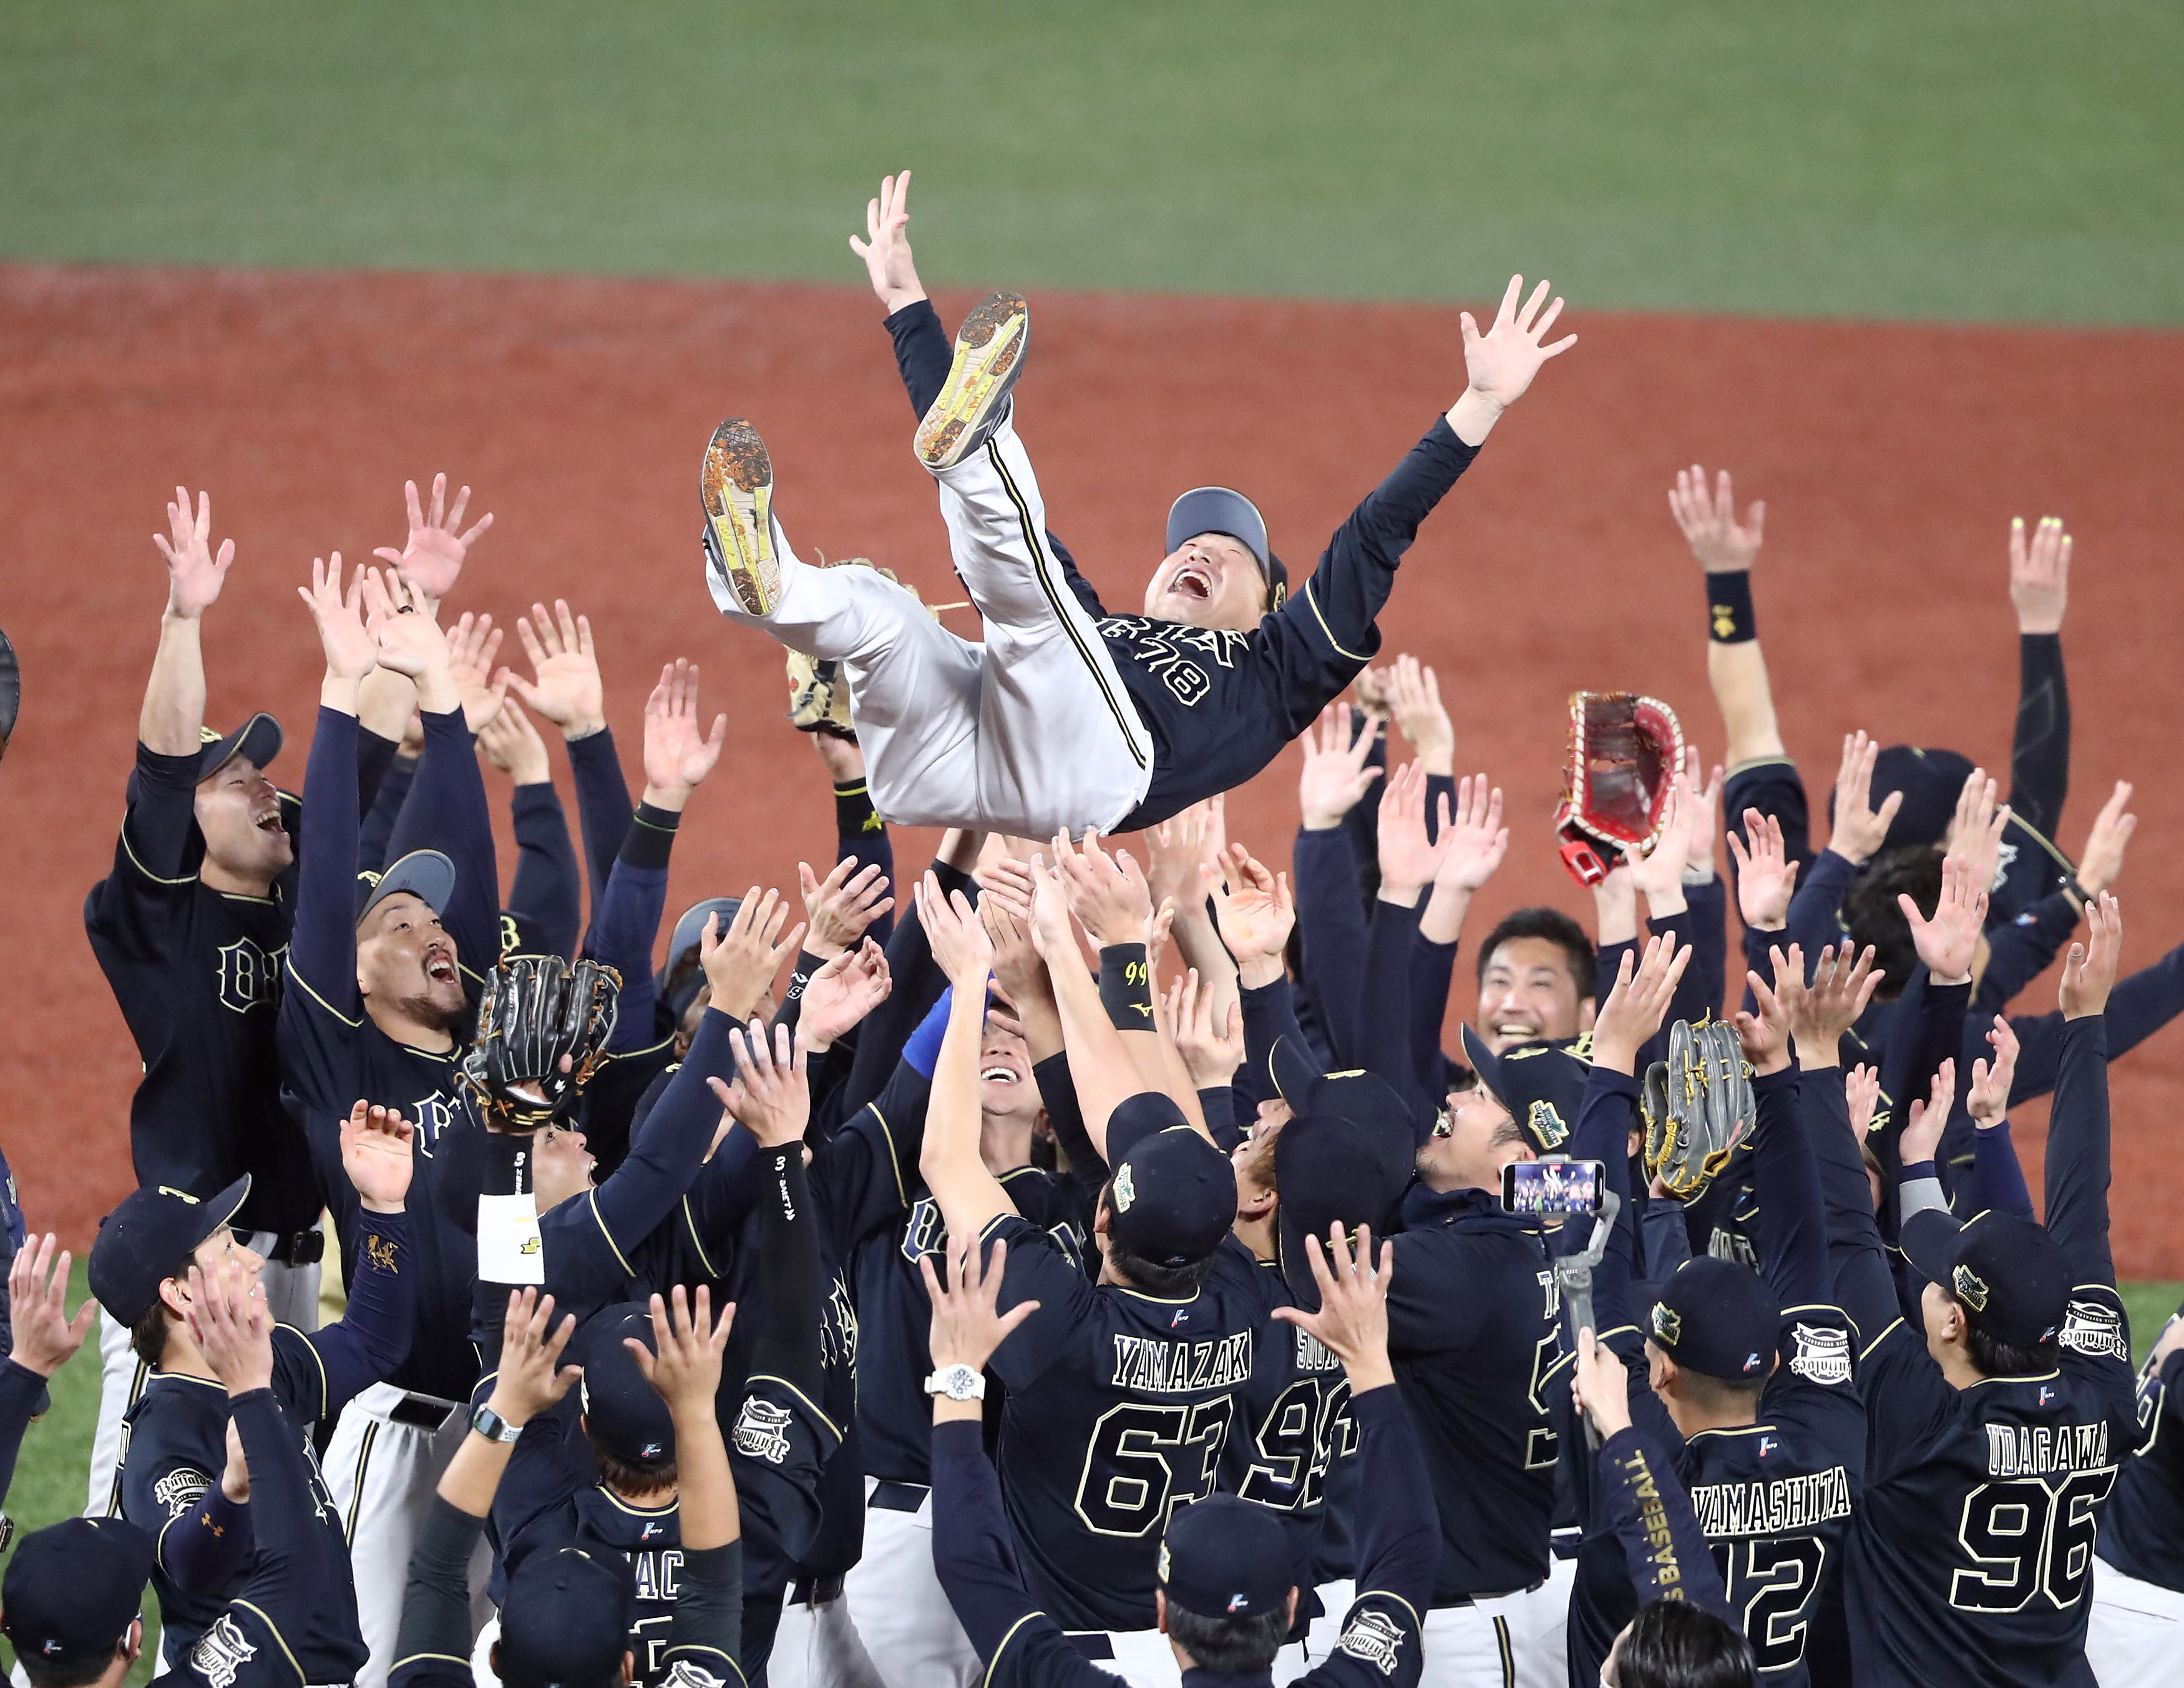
x=221, y=1653
x=1819, y=1354
x=1126, y=1190
x=762, y=1431
x=1667, y=1323
x=1374, y=1637
x=1971, y=1288
x=1547, y=1125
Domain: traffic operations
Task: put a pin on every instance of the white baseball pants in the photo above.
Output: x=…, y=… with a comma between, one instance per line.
x=2135, y=1630
x=898, y=1607
x=1030, y=733
x=1511, y=1640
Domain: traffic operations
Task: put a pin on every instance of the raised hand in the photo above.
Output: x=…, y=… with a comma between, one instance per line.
x=685, y=1371
x=1334, y=777
x=351, y=651
x=841, y=907
x=742, y=963
x=565, y=686
x=967, y=1328
x=1766, y=878
x=1180, y=849
x=1765, y=1035
x=431, y=558
x=1108, y=894
x=531, y=1377
x=1208, y=1026
x=472, y=645
x=961, y=947
x=2102, y=859
x=1659, y=873
x=44, y=1336
x=1017, y=969
x=1922, y=1134
x=1988, y=1102
x=1477, y=838
x=194, y=575
x=511, y=744
x=1600, y=1386
x=1706, y=816
x=1721, y=544
x=1253, y=907
x=885, y=247
x=1862, y=1093
x=1975, y=831
x=1370, y=689
x=1948, y=942
x=679, y=753
x=2089, y=973
x=408, y=639
x=1860, y=828
x=773, y=1094
x=1822, y=1012
x=1414, y=700
x=838, y=997
x=230, y=1323
x=377, y=1149
x=1639, y=1002
x=1408, y=859
x=1501, y=362
x=1351, y=1322
x=2039, y=574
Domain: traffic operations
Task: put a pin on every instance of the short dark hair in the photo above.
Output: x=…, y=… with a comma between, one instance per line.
x=1714, y=1395
x=1169, y=1282
x=75, y=1673
x=148, y=1335
x=1229, y=1647
x=1674, y=1644
x=621, y=1475
x=1872, y=915
x=1996, y=1358
x=1555, y=928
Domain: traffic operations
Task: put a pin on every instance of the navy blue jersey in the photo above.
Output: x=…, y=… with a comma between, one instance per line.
x=1120, y=1406
x=196, y=973
x=1472, y=1327
x=2142, y=1532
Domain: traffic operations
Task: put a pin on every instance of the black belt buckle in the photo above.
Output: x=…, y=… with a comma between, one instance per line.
x=418, y=1412
x=1092, y=1643
x=898, y=1497
x=307, y=1248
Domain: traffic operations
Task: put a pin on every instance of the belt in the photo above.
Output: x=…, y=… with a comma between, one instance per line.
x=1092, y=1643
x=1475, y=1599
x=421, y=1411
x=291, y=1248
x=815, y=1590
x=898, y=1497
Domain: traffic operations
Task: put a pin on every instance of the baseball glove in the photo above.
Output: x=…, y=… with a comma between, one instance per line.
x=1697, y=1105
x=1624, y=753
x=538, y=1010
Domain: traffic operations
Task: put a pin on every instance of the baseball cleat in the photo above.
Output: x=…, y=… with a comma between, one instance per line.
x=990, y=356
x=735, y=485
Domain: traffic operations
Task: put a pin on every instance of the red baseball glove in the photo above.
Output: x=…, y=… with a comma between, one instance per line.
x=1624, y=752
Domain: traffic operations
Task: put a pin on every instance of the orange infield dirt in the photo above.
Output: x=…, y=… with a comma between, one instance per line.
x=1891, y=458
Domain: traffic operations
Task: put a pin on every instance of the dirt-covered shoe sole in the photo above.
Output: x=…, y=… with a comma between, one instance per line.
x=990, y=356
x=735, y=485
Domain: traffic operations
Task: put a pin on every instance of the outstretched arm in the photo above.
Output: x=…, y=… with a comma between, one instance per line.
x=969, y=1196
x=174, y=697
x=2078, y=1127
x=1726, y=549
x=2040, y=749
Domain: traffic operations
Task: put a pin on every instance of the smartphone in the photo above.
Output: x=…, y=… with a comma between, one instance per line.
x=1551, y=1186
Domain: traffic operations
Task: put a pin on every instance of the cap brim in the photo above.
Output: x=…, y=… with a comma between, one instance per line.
x=690, y=925
x=259, y=738
x=424, y=874
x=1929, y=1240
x=1484, y=1062
x=1293, y=1070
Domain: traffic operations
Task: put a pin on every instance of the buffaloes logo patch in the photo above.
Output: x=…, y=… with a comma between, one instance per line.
x=2095, y=1331
x=1819, y=1353
x=221, y=1653
x=761, y=1431
x=1375, y=1638
x=180, y=1489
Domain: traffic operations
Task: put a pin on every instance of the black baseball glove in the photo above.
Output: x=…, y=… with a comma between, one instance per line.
x=543, y=1029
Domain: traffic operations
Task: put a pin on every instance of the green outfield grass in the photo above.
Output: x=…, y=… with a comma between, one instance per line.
x=1985, y=158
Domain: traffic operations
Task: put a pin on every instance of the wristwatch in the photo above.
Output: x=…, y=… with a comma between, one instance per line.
x=957, y=1383
x=493, y=1427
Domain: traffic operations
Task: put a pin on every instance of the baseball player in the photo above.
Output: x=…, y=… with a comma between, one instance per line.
x=376, y=990
x=568, y=1615
x=1192, y=698
x=1227, y=1591
x=41, y=1339
x=1993, y=1444
x=190, y=927
x=73, y=1590
x=2137, y=1617
x=182, y=1481
x=1752, y=1387
x=1121, y=1393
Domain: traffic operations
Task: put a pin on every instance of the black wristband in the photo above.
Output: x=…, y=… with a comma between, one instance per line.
x=1126, y=987
x=651, y=836
x=1729, y=609
x=853, y=813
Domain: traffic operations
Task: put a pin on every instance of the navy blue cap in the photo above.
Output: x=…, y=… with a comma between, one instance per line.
x=155, y=1229
x=1220, y=509
x=423, y=873
x=1328, y=1168
x=1137, y=1117
x=623, y=1414
x=1225, y=1556
x=1357, y=1095
x=73, y=1588
x=1931, y=781
x=1173, y=1197
x=1717, y=1319
x=564, y=1623
x=2008, y=1274
x=259, y=738
x=689, y=931
x=1540, y=1083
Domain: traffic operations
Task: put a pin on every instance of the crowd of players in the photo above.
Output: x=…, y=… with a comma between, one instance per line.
x=1081, y=1262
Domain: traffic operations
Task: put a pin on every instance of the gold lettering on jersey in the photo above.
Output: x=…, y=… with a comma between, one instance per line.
x=1653, y=1520
x=2031, y=1450
x=1157, y=1367
x=1785, y=1505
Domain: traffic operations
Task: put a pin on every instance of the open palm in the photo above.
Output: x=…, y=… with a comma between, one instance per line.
x=431, y=558
x=1502, y=361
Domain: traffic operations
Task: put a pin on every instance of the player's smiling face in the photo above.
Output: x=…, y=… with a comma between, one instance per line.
x=562, y=1166
x=405, y=959
x=1471, y=1143
x=1211, y=581
x=222, y=1250
x=1006, y=1089
x=238, y=810
x=1527, y=993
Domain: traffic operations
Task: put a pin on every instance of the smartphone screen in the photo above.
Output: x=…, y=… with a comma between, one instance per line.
x=1551, y=1186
